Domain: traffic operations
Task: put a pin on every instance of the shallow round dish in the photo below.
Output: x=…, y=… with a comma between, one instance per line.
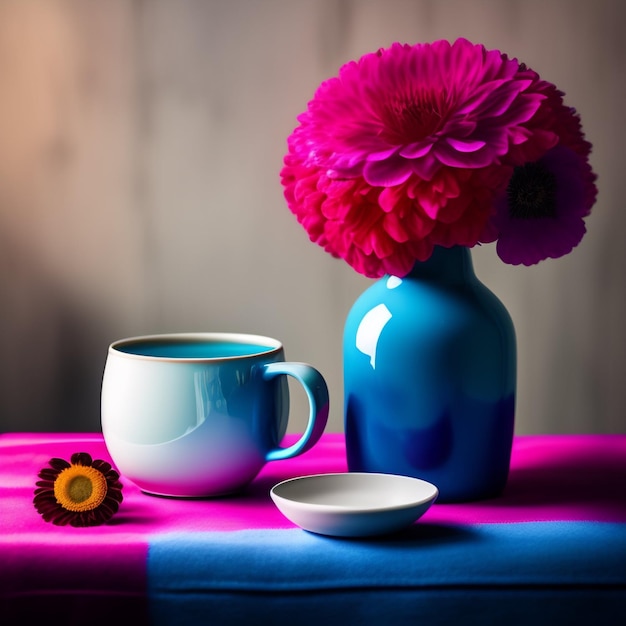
x=353, y=504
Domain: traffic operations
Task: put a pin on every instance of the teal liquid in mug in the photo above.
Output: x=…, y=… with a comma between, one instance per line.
x=193, y=349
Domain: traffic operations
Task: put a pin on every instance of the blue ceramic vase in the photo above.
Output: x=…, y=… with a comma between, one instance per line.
x=430, y=377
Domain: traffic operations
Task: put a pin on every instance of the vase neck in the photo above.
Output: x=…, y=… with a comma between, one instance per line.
x=445, y=264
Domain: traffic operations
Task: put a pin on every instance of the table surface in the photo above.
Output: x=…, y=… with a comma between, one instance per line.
x=551, y=549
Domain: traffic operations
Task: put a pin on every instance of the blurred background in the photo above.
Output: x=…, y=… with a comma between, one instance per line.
x=140, y=148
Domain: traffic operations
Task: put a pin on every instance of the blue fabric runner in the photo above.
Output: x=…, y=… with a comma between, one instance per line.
x=537, y=571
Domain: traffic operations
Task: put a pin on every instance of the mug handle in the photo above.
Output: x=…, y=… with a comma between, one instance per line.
x=317, y=393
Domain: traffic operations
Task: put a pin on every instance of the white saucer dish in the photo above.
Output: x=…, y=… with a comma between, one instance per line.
x=353, y=504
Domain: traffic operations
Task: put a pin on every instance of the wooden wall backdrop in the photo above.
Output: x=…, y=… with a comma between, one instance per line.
x=140, y=149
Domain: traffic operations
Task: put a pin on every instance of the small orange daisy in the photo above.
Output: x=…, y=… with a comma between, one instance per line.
x=84, y=492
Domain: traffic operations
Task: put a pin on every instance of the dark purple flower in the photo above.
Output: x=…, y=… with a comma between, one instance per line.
x=541, y=213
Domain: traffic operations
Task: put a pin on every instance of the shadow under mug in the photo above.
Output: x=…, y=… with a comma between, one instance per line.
x=199, y=414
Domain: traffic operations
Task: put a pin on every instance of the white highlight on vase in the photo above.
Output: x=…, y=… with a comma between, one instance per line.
x=369, y=330
x=393, y=282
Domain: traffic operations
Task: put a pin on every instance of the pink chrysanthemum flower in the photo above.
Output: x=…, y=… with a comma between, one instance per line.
x=382, y=231
x=414, y=109
x=348, y=219
x=410, y=147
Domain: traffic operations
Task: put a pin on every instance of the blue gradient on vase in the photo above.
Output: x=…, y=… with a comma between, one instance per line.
x=429, y=379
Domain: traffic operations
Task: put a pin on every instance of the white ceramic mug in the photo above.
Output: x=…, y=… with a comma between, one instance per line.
x=199, y=414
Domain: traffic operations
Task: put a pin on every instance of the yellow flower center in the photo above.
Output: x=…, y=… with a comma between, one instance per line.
x=80, y=488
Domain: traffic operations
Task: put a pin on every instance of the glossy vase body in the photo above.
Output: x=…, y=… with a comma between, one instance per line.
x=430, y=377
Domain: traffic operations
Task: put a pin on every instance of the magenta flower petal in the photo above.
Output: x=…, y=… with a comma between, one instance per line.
x=393, y=104
x=387, y=173
x=415, y=150
x=453, y=157
x=382, y=155
x=465, y=146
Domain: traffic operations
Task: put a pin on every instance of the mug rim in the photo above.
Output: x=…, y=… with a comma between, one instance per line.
x=270, y=345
